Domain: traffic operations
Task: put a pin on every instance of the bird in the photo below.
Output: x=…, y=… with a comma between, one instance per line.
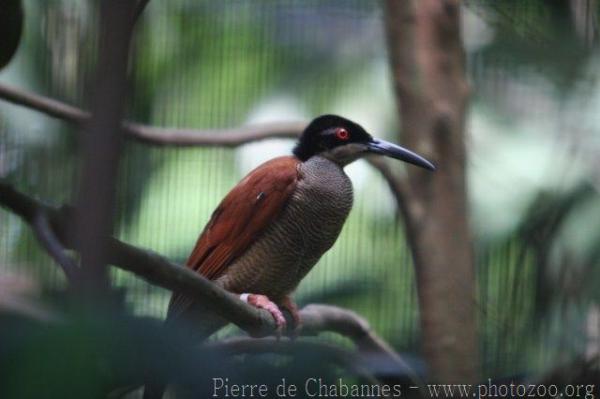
x=278, y=221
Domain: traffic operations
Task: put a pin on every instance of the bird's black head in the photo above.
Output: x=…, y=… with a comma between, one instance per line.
x=344, y=141
x=328, y=132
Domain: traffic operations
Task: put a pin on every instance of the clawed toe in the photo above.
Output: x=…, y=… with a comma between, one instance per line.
x=263, y=302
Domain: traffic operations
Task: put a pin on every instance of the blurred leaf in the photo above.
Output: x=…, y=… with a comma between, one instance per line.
x=11, y=27
x=539, y=229
x=539, y=34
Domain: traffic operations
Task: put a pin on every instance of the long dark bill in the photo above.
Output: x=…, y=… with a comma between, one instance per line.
x=392, y=150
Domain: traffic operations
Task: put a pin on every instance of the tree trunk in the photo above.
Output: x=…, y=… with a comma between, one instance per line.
x=101, y=145
x=427, y=61
x=584, y=17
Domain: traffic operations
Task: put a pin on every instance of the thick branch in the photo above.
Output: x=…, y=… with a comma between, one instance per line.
x=150, y=266
x=158, y=270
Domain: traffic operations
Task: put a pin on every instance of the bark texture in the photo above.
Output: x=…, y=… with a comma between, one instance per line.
x=101, y=145
x=427, y=61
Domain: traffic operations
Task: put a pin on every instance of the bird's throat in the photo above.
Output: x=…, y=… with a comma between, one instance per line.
x=346, y=154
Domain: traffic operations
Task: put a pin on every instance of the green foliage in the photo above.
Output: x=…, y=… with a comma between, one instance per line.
x=535, y=34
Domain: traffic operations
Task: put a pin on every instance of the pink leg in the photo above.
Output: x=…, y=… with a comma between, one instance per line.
x=263, y=302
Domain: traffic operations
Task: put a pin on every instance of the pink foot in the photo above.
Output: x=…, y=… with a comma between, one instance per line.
x=263, y=302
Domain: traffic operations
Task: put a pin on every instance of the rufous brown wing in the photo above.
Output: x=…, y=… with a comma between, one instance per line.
x=238, y=221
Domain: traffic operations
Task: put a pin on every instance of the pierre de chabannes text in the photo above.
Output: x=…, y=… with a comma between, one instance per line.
x=312, y=388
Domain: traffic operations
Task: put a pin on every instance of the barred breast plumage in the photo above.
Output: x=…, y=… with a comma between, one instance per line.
x=307, y=227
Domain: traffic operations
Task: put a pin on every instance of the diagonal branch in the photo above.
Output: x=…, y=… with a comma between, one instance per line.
x=45, y=235
x=37, y=215
x=46, y=105
x=159, y=271
x=151, y=266
x=398, y=186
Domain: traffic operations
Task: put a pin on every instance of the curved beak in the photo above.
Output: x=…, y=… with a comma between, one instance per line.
x=392, y=150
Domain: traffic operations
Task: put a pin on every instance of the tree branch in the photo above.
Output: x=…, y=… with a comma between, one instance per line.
x=45, y=235
x=149, y=265
x=46, y=105
x=318, y=318
x=154, y=135
x=36, y=214
x=397, y=185
x=159, y=271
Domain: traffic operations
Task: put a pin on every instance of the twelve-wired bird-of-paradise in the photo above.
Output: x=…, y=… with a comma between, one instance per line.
x=275, y=225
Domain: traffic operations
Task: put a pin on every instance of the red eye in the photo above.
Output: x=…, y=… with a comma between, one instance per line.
x=342, y=134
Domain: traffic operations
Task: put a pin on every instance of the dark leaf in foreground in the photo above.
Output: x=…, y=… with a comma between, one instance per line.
x=11, y=26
